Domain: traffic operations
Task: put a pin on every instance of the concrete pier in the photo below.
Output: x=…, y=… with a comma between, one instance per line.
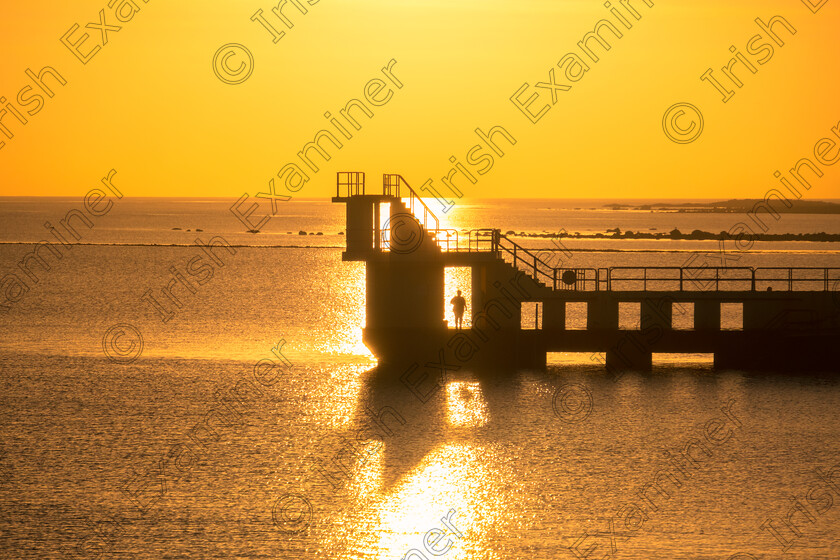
x=728, y=312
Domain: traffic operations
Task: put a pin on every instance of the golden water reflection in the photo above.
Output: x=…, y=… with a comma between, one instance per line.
x=387, y=524
x=404, y=489
x=465, y=405
x=344, y=313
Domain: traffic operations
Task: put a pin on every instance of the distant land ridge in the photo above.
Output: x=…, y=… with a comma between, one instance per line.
x=737, y=205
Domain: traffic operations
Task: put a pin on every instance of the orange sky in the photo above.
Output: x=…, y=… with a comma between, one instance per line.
x=149, y=105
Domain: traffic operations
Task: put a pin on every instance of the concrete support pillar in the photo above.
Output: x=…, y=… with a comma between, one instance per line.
x=478, y=275
x=707, y=315
x=727, y=358
x=360, y=226
x=530, y=350
x=404, y=295
x=629, y=356
x=656, y=313
x=602, y=314
x=767, y=314
x=503, y=294
x=554, y=315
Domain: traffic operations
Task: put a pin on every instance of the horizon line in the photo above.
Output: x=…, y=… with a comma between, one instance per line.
x=329, y=198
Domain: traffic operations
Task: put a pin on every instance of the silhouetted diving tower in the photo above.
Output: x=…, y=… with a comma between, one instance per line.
x=793, y=327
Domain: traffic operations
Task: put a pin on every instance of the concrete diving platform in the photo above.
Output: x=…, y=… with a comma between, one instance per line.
x=523, y=308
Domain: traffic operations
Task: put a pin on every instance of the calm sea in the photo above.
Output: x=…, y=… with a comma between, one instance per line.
x=335, y=459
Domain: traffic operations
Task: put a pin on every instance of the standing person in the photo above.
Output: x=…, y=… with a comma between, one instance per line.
x=458, y=306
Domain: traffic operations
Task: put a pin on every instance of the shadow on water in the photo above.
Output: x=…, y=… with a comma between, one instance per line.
x=411, y=415
x=411, y=422
x=408, y=427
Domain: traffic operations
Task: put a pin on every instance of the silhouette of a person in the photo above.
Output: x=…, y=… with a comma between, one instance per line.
x=458, y=306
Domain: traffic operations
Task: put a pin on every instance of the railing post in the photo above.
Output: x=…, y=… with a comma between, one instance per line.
x=681, y=279
x=790, y=279
x=753, y=280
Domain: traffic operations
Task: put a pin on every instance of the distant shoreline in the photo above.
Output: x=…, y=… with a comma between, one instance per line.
x=677, y=235
x=611, y=235
x=734, y=206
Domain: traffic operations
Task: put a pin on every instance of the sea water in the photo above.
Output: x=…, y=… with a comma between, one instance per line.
x=335, y=458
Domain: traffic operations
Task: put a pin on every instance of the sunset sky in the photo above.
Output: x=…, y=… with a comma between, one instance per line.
x=149, y=105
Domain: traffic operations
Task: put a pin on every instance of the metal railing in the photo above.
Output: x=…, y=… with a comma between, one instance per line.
x=482, y=241
x=353, y=181
x=446, y=239
x=662, y=278
x=452, y=241
x=532, y=264
x=665, y=278
x=675, y=278
x=619, y=278
x=827, y=279
x=391, y=186
x=578, y=279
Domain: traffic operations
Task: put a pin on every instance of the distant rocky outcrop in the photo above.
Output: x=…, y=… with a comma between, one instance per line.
x=745, y=205
x=616, y=233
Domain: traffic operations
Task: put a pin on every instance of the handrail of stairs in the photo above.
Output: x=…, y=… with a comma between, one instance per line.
x=391, y=183
x=530, y=260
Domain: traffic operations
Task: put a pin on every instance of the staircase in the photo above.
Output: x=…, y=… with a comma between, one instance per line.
x=490, y=241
